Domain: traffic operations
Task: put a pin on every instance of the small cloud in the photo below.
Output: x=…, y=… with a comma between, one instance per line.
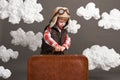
x=111, y=20
x=4, y=73
x=102, y=57
x=20, y=37
x=3, y=9
x=73, y=26
x=15, y=10
x=5, y=54
x=89, y=11
x=31, y=11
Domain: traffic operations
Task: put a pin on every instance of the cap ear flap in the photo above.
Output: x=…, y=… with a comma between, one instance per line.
x=53, y=21
x=67, y=24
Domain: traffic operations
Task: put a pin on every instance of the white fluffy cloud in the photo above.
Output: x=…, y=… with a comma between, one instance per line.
x=5, y=54
x=111, y=20
x=3, y=9
x=31, y=11
x=102, y=57
x=4, y=73
x=15, y=10
x=20, y=37
x=89, y=11
x=73, y=26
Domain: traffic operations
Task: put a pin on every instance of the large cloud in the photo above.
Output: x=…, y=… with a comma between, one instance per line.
x=4, y=73
x=73, y=26
x=20, y=37
x=89, y=11
x=3, y=9
x=5, y=54
x=15, y=10
x=111, y=20
x=31, y=11
x=102, y=57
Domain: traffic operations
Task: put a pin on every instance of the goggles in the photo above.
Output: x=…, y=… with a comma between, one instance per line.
x=62, y=11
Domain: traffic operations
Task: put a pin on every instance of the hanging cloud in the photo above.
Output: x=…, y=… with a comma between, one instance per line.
x=3, y=9
x=73, y=26
x=5, y=54
x=111, y=20
x=102, y=57
x=89, y=11
x=31, y=11
x=4, y=73
x=15, y=10
x=20, y=37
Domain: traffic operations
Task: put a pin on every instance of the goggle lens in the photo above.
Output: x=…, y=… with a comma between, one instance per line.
x=62, y=11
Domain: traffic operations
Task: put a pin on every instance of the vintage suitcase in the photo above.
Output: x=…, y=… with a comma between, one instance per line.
x=58, y=67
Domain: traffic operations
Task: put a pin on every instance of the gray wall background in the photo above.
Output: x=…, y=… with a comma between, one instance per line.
x=89, y=34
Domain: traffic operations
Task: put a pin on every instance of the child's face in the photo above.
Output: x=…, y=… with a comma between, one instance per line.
x=61, y=23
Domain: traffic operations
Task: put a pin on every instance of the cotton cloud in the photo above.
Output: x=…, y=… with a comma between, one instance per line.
x=111, y=20
x=89, y=11
x=3, y=9
x=102, y=57
x=32, y=11
x=20, y=37
x=4, y=73
x=15, y=10
x=73, y=26
x=5, y=54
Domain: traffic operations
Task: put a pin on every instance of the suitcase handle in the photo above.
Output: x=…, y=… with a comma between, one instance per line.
x=57, y=53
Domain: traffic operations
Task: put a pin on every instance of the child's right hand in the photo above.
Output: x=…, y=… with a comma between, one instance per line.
x=59, y=48
x=62, y=48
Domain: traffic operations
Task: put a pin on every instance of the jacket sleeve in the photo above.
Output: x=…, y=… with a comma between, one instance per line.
x=67, y=42
x=48, y=39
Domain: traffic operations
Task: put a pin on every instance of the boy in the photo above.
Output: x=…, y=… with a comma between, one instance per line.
x=56, y=39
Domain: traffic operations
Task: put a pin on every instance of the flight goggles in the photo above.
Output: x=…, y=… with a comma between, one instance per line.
x=62, y=11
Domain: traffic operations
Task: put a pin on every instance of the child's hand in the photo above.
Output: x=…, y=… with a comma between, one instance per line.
x=62, y=48
x=58, y=48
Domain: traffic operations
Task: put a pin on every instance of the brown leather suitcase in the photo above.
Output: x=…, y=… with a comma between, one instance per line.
x=58, y=67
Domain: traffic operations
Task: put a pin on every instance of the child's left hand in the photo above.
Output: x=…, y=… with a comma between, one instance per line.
x=62, y=48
